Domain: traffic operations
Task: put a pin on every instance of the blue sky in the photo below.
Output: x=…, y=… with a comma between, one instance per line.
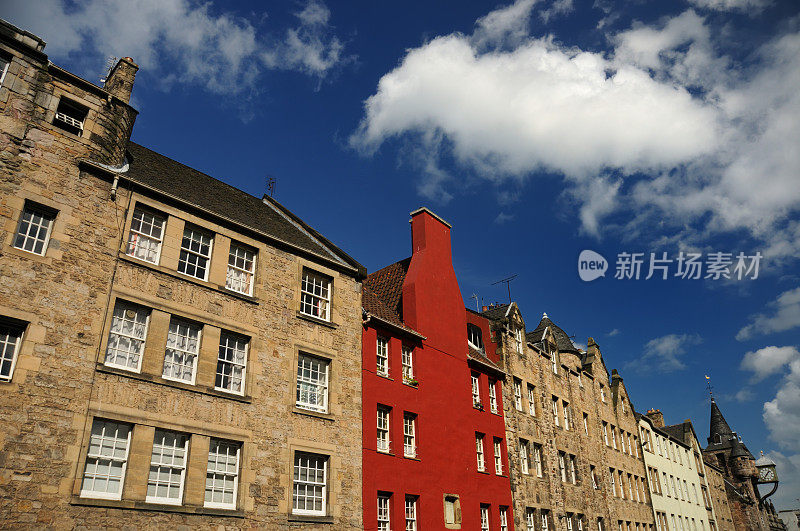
x=538, y=129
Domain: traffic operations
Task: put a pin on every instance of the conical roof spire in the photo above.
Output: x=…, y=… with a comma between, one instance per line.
x=719, y=427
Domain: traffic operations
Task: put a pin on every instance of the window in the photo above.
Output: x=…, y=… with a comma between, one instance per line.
x=452, y=510
x=562, y=466
x=622, y=440
x=498, y=456
x=167, y=468
x=484, y=518
x=106, y=460
x=315, y=295
x=241, y=265
x=479, y=452
x=554, y=361
x=384, y=519
x=195, y=253
x=10, y=341
x=518, y=340
x=622, y=403
x=183, y=345
x=531, y=400
x=636, y=447
x=383, y=356
x=537, y=459
x=35, y=226
x=601, y=524
x=493, y=396
x=383, y=429
x=605, y=432
x=621, y=485
x=545, y=520
x=614, y=437
x=411, y=513
x=145, y=236
x=586, y=424
x=580, y=379
x=592, y=474
x=630, y=487
x=474, y=336
x=4, y=62
x=530, y=519
x=222, y=474
x=603, y=392
x=523, y=456
x=231, y=363
x=518, y=394
x=476, y=390
x=408, y=365
x=70, y=116
x=310, y=484
x=555, y=411
x=312, y=383
x=503, y=519
x=409, y=435
x=568, y=518
x=613, y=481
x=573, y=468
x=565, y=408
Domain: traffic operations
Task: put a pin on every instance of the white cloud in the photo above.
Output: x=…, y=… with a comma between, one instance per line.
x=785, y=316
x=744, y=395
x=613, y=333
x=768, y=361
x=179, y=40
x=664, y=131
x=732, y=5
x=502, y=217
x=664, y=353
x=789, y=475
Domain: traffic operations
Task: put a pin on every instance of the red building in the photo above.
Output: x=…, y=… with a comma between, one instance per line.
x=434, y=451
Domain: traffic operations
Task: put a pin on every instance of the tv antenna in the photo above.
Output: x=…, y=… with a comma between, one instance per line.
x=477, y=306
x=111, y=62
x=271, y=186
x=507, y=282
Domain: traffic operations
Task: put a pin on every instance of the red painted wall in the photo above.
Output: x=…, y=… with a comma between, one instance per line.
x=446, y=419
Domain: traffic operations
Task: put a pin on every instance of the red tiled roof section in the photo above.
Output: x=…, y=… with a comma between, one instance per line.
x=387, y=284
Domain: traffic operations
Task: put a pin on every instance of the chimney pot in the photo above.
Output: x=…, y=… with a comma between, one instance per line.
x=119, y=82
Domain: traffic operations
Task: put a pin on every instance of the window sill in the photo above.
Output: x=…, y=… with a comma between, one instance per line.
x=413, y=385
x=412, y=458
x=186, y=278
x=314, y=414
x=144, y=506
x=317, y=320
x=310, y=518
x=210, y=391
x=384, y=376
x=485, y=472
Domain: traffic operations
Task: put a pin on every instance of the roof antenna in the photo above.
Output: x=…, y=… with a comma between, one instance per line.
x=111, y=62
x=709, y=387
x=507, y=282
x=477, y=306
x=271, y=185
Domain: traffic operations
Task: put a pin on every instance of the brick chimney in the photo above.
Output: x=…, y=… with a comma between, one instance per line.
x=119, y=82
x=656, y=417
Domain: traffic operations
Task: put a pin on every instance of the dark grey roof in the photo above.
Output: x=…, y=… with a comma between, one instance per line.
x=495, y=313
x=265, y=216
x=721, y=436
x=563, y=342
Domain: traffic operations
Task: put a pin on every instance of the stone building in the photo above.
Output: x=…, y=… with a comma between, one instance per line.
x=727, y=451
x=575, y=459
x=676, y=475
x=173, y=350
x=719, y=500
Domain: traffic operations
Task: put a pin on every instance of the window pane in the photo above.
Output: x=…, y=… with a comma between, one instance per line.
x=10, y=339
x=34, y=230
x=231, y=363
x=241, y=262
x=106, y=459
x=222, y=474
x=315, y=295
x=167, y=467
x=310, y=484
x=126, y=338
x=195, y=253
x=312, y=383
x=183, y=344
x=145, y=237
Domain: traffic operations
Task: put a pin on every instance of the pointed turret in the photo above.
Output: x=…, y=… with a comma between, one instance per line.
x=719, y=431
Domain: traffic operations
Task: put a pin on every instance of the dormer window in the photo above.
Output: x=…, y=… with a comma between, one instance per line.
x=519, y=340
x=70, y=116
x=475, y=337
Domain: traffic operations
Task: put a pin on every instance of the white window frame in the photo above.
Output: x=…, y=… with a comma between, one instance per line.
x=382, y=356
x=196, y=354
x=518, y=340
x=523, y=456
x=573, y=473
x=479, y=451
x=44, y=214
x=537, y=459
x=4, y=70
x=586, y=423
x=316, y=484
x=9, y=351
x=307, y=363
x=503, y=519
x=115, y=441
x=517, y=394
x=498, y=456
x=383, y=429
x=232, y=362
x=565, y=407
x=493, y=407
x=169, y=464
x=562, y=466
x=238, y=254
x=530, y=519
x=384, y=512
x=136, y=236
x=407, y=361
x=474, y=333
x=484, y=518
x=126, y=307
x=556, y=419
x=605, y=433
x=554, y=361
x=603, y=393
x=315, y=294
x=212, y=470
x=531, y=400
x=411, y=512
x=409, y=435
x=476, y=390
x=195, y=235
x=545, y=521
x=593, y=475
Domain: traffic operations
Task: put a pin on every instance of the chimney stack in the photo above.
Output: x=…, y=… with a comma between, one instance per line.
x=119, y=82
x=656, y=417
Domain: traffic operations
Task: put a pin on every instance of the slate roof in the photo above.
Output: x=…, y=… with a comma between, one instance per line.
x=727, y=437
x=265, y=216
x=677, y=431
x=374, y=305
x=563, y=342
x=481, y=357
x=495, y=313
